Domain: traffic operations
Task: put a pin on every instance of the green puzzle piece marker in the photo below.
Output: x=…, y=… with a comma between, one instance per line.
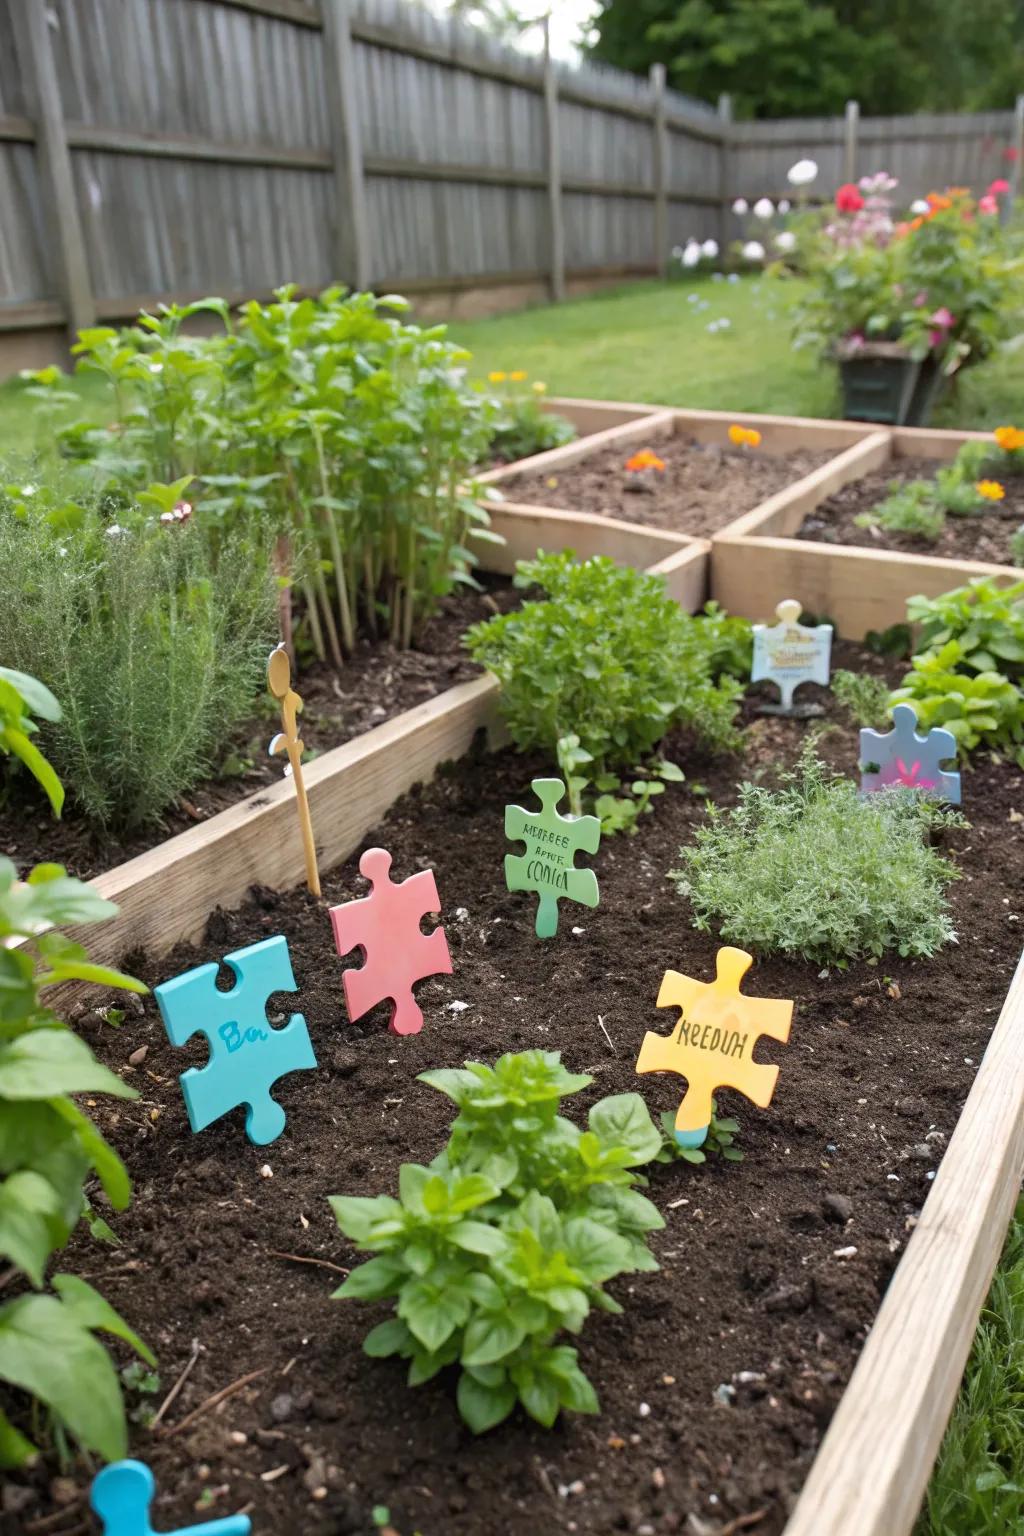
x=547, y=865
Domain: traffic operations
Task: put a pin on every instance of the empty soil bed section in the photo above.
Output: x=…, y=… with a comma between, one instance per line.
x=702, y=487
x=377, y=683
x=719, y=1379
x=982, y=536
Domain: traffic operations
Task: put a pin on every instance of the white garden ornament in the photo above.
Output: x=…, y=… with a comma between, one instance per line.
x=802, y=173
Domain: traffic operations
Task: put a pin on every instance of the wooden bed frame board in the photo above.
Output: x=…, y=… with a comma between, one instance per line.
x=650, y=427
x=756, y=560
x=589, y=416
x=870, y=1474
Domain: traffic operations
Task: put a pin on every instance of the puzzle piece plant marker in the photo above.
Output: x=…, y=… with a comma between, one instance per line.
x=279, y=681
x=713, y=1044
x=904, y=756
x=547, y=865
x=788, y=654
x=247, y=1056
x=386, y=926
x=122, y=1494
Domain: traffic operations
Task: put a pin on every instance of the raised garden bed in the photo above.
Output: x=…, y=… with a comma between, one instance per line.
x=863, y=585
x=705, y=484
x=740, y=1347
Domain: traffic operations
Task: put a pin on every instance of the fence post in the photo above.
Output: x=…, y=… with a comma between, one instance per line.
x=554, y=170
x=659, y=129
x=56, y=177
x=1018, y=145
x=351, y=242
x=726, y=191
x=850, y=140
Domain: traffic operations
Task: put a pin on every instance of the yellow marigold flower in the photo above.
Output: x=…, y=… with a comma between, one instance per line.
x=539, y=388
x=519, y=375
x=990, y=489
x=1009, y=438
x=497, y=377
x=744, y=437
x=645, y=459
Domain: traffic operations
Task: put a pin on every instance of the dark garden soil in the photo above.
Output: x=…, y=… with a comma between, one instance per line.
x=377, y=683
x=702, y=487
x=983, y=537
x=719, y=1380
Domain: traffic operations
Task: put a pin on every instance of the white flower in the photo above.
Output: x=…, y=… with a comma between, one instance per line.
x=802, y=173
x=784, y=205
x=734, y=277
x=753, y=251
x=741, y=206
x=920, y=206
x=709, y=249
x=691, y=256
x=764, y=208
x=693, y=298
x=156, y=367
x=786, y=241
x=28, y=490
x=114, y=530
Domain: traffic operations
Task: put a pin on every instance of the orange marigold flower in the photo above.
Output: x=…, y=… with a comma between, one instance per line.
x=990, y=489
x=958, y=191
x=644, y=459
x=938, y=202
x=744, y=437
x=497, y=377
x=1009, y=438
x=916, y=223
x=518, y=376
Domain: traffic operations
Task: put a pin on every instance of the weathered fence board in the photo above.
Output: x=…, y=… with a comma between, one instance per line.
x=233, y=145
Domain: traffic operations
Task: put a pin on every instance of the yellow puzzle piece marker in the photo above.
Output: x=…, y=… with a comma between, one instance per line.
x=713, y=1044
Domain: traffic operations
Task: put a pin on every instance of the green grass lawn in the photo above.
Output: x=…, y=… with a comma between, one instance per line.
x=651, y=342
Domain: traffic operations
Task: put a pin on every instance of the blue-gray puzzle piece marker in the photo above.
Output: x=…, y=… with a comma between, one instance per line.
x=247, y=1056
x=904, y=756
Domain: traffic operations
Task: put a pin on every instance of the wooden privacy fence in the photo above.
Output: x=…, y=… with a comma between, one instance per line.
x=152, y=149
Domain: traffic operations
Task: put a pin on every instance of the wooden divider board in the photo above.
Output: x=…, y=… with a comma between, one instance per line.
x=858, y=589
x=871, y=1472
x=649, y=428
x=589, y=416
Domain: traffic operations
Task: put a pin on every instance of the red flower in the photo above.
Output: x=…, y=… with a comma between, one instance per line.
x=848, y=199
x=1011, y=153
x=999, y=187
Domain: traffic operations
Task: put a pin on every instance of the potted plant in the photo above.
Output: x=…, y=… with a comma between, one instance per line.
x=902, y=305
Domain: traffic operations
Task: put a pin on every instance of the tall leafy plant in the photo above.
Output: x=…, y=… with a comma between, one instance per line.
x=22, y=697
x=508, y=1238
x=49, y=1147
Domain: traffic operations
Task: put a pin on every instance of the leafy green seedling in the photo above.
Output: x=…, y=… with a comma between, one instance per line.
x=720, y=1140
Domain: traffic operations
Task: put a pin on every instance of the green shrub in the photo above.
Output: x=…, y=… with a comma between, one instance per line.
x=601, y=671
x=986, y=618
x=48, y=1147
x=959, y=494
x=154, y=646
x=911, y=509
x=508, y=1238
x=865, y=698
x=815, y=870
x=342, y=430
x=521, y=426
x=21, y=697
x=980, y=708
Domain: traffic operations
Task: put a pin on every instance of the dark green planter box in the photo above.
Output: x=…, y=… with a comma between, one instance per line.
x=879, y=388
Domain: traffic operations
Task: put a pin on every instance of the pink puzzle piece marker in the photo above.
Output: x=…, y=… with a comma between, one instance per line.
x=386, y=926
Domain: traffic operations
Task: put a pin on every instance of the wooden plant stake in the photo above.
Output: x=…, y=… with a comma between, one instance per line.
x=712, y=1045
x=279, y=681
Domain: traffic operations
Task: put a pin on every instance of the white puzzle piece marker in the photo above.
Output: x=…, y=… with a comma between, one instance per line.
x=789, y=653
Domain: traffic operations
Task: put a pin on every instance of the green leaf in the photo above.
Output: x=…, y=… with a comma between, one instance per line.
x=478, y=1237
x=37, y=696
x=489, y=1337
x=17, y=742
x=88, y=1307
x=15, y=1450
x=432, y=1312
x=483, y=1407
x=539, y=1396
x=623, y=1120
x=356, y=1215
x=388, y=1338
x=595, y=1250
x=30, y=1225
x=46, y=1351
x=372, y=1280
x=45, y=1062
x=109, y=1168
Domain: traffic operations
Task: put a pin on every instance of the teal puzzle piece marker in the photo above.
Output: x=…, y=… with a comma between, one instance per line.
x=905, y=756
x=547, y=865
x=122, y=1494
x=247, y=1056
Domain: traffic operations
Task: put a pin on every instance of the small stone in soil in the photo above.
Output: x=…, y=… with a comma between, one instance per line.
x=837, y=1208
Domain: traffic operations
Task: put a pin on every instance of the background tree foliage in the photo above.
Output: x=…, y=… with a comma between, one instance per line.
x=794, y=58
